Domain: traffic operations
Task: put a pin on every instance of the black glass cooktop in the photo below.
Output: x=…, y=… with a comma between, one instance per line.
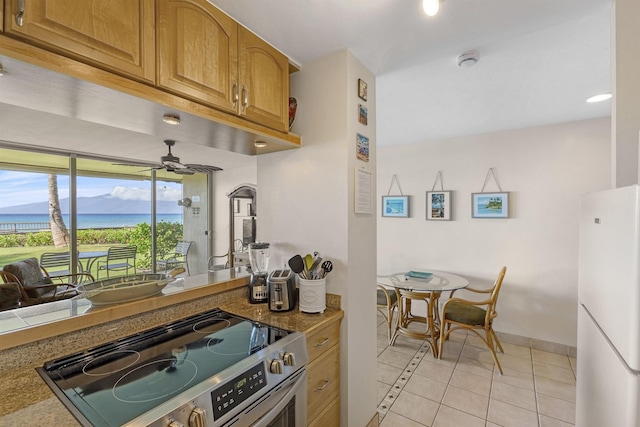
x=115, y=383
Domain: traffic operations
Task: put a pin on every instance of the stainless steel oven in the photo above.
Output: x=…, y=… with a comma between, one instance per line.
x=214, y=369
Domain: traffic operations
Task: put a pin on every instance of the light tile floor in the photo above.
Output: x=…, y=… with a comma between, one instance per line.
x=465, y=389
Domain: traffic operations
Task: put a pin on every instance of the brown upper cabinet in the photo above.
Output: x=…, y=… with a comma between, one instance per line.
x=205, y=55
x=117, y=35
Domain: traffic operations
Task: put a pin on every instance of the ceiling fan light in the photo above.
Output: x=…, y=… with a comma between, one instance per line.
x=430, y=7
x=171, y=119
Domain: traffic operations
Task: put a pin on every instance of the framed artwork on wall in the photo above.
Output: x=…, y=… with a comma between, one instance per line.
x=439, y=205
x=362, y=89
x=490, y=205
x=362, y=147
x=362, y=114
x=395, y=206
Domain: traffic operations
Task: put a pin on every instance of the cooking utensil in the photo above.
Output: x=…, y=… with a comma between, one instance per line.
x=327, y=266
x=308, y=261
x=297, y=264
x=314, y=267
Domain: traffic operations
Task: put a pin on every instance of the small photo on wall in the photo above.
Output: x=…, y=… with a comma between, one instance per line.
x=362, y=147
x=362, y=114
x=490, y=205
x=439, y=205
x=395, y=206
x=362, y=89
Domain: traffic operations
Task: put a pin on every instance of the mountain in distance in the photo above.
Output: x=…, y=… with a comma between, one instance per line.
x=104, y=204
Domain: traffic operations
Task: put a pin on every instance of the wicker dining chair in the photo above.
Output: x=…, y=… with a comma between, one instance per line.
x=387, y=300
x=474, y=316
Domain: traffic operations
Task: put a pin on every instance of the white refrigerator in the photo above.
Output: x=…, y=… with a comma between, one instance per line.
x=608, y=377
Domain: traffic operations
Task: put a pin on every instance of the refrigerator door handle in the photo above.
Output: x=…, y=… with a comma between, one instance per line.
x=631, y=371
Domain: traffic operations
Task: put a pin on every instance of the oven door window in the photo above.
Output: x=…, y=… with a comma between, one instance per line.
x=286, y=417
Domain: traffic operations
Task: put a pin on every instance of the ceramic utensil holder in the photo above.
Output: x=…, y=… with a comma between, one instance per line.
x=313, y=295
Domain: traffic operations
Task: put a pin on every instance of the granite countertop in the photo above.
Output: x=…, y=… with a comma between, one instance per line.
x=27, y=400
x=293, y=320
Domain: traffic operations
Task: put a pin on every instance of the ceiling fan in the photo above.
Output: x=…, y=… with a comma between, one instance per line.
x=172, y=163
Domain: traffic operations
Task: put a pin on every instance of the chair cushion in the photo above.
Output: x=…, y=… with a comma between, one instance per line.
x=30, y=274
x=382, y=298
x=465, y=313
x=9, y=296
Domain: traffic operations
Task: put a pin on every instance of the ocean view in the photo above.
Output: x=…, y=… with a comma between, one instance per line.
x=95, y=220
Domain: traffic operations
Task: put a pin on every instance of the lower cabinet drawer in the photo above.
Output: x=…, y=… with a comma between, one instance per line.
x=322, y=340
x=323, y=382
x=330, y=417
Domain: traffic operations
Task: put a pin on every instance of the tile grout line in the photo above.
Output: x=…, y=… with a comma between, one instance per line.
x=398, y=386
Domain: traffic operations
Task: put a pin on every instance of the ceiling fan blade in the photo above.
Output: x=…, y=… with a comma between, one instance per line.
x=203, y=168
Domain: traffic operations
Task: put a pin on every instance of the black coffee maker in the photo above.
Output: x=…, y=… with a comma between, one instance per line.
x=259, y=260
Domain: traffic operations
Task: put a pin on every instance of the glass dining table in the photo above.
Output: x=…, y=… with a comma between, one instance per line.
x=426, y=286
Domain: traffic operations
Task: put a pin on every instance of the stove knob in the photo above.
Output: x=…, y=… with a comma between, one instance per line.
x=176, y=424
x=288, y=358
x=276, y=366
x=197, y=418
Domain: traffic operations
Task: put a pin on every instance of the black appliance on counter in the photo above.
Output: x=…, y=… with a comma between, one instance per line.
x=283, y=294
x=212, y=369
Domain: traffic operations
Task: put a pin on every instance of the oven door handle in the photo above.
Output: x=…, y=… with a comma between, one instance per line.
x=282, y=402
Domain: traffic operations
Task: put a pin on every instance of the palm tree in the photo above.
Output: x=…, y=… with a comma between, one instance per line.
x=58, y=229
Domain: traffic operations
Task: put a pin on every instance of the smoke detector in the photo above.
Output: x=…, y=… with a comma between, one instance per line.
x=467, y=59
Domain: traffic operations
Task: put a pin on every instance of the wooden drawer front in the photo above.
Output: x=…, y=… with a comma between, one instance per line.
x=330, y=417
x=321, y=341
x=323, y=382
x=118, y=35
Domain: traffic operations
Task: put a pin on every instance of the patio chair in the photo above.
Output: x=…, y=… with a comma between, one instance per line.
x=119, y=258
x=57, y=263
x=178, y=258
x=35, y=284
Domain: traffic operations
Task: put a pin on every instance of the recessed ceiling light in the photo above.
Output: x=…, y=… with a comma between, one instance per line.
x=171, y=119
x=430, y=7
x=260, y=144
x=600, y=97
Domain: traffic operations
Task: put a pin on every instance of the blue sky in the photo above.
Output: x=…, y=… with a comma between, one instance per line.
x=19, y=188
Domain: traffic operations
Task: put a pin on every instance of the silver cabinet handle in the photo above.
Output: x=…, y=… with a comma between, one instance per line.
x=320, y=344
x=236, y=96
x=245, y=99
x=20, y=14
x=323, y=386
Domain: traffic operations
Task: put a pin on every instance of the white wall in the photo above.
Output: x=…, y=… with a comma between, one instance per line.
x=306, y=204
x=545, y=169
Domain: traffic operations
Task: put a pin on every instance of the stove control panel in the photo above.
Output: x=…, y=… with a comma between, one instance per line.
x=228, y=396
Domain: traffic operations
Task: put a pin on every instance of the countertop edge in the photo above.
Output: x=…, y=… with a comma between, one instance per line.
x=108, y=313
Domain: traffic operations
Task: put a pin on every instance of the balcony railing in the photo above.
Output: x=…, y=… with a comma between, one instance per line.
x=23, y=227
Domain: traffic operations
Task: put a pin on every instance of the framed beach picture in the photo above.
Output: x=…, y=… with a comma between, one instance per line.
x=362, y=147
x=395, y=206
x=439, y=205
x=490, y=205
x=362, y=114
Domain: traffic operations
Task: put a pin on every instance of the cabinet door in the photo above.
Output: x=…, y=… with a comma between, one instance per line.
x=198, y=52
x=264, y=79
x=117, y=35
